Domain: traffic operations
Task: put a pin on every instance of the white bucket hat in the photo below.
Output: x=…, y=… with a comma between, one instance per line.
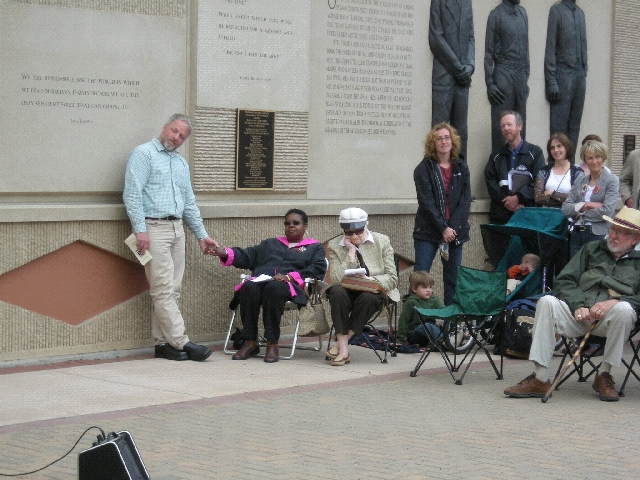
x=352, y=218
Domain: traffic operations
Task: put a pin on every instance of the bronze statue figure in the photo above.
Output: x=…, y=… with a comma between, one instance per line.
x=565, y=68
x=506, y=64
x=453, y=45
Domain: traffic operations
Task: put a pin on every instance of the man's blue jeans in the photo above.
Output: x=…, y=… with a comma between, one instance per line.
x=578, y=239
x=425, y=253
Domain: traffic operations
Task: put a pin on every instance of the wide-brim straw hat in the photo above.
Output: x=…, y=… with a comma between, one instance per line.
x=628, y=218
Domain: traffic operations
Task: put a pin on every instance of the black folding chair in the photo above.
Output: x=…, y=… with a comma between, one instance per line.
x=478, y=308
x=585, y=360
x=635, y=359
x=313, y=288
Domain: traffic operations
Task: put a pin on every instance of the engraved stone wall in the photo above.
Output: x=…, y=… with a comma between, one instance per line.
x=625, y=117
x=172, y=8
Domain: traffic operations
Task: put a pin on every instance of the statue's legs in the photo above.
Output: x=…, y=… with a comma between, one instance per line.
x=450, y=103
x=566, y=113
x=512, y=81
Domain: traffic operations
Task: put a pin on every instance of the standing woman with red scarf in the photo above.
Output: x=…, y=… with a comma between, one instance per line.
x=444, y=201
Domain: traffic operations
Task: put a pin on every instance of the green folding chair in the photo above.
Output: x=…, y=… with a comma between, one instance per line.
x=478, y=308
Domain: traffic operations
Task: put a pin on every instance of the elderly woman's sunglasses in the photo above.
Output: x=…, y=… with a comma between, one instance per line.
x=292, y=222
x=348, y=233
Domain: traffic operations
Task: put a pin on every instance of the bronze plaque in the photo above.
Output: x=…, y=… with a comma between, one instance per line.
x=629, y=146
x=255, y=137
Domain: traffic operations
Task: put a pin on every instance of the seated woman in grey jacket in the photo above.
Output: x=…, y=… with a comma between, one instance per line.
x=591, y=197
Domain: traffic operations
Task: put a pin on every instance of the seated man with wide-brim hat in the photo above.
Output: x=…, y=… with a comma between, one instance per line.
x=599, y=284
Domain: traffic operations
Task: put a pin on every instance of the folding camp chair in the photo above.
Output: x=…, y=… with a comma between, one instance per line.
x=389, y=308
x=478, y=307
x=542, y=231
x=314, y=289
x=585, y=360
x=582, y=363
x=635, y=359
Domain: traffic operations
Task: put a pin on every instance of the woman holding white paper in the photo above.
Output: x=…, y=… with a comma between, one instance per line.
x=279, y=267
x=368, y=256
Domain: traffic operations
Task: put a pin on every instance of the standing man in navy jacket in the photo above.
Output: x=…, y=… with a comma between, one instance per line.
x=521, y=158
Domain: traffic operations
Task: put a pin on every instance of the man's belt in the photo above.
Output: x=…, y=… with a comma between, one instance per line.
x=170, y=217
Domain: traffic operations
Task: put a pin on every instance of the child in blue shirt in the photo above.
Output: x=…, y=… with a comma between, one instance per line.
x=410, y=330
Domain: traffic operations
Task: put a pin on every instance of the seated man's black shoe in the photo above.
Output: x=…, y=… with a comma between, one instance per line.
x=165, y=350
x=196, y=352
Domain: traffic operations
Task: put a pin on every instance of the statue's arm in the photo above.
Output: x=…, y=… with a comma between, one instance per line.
x=550, y=65
x=491, y=45
x=438, y=44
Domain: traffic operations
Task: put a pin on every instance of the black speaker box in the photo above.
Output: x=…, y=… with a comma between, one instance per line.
x=112, y=458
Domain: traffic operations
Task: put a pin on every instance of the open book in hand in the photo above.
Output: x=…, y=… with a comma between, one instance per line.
x=518, y=179
x=131, y=243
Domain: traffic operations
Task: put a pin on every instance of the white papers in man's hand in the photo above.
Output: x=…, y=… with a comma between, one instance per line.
x=261, y=278
x=355, y=271
x=131, y=243
x=518, y=179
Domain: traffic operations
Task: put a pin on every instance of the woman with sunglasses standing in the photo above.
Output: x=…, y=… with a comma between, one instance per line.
x=444, y=202
x=370, y=253
x=285, y=262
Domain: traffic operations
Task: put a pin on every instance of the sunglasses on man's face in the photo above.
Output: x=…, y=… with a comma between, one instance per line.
x=348, y=233
x=292, y=222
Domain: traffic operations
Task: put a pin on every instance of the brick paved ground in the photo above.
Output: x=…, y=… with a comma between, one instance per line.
x=365, y=420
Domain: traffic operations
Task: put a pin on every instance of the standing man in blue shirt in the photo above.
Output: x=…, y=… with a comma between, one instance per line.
x=159, y=198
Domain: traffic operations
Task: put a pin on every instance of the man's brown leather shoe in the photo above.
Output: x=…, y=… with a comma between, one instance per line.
x=245, y=351
x=529, y=387
x=604, y=385
x=272, y=354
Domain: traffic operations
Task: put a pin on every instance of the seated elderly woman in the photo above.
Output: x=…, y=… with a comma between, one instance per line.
x=370, y=252
x=284, y=263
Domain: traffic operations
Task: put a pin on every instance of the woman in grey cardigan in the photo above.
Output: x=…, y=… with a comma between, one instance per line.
x=358, y=248
x=595, y=195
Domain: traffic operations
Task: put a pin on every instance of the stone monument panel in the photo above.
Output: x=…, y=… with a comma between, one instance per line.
x=368, y=98
x=80, y=88
x=253, y=54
